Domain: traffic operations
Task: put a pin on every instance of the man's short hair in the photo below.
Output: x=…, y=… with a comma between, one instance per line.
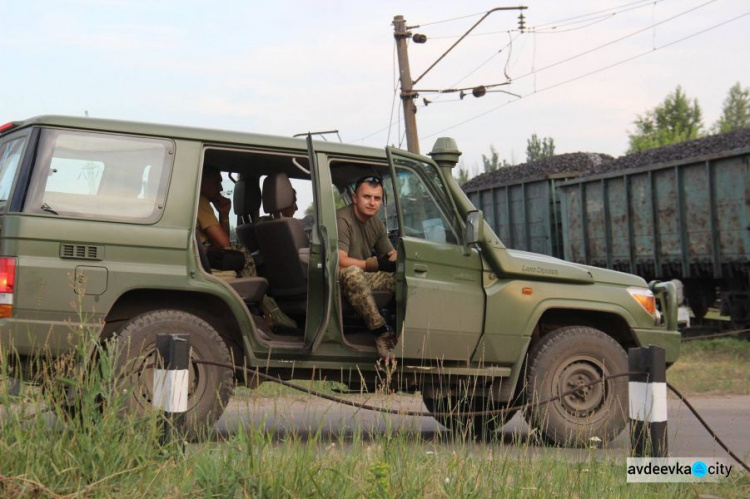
x=372, y=180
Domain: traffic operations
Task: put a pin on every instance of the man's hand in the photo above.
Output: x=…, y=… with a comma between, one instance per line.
x=385, y=263
x=222, y=205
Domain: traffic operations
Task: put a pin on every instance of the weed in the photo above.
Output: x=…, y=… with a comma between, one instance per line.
x=99, y=452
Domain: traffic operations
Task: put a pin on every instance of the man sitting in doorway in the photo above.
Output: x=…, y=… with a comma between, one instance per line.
x=214, y=232
x=360, y=273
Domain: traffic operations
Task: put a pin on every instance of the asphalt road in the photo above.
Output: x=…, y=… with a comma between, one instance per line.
x=305, y=415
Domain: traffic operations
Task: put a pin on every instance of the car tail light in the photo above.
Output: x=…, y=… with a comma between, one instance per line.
x=7, y=283
x=6, y=126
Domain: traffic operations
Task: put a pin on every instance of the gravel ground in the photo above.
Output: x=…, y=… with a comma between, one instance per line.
x=582, y=163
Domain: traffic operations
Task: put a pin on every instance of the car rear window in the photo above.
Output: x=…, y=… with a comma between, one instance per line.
x=100, y=176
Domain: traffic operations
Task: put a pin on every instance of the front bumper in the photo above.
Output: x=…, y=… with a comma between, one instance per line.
x=664, y=335
x=666, y=296
x=670, y=341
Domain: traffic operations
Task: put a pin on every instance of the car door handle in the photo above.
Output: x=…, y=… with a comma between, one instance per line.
x=420, y=268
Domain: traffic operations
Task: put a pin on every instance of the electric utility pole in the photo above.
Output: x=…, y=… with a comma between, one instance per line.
x=401, y=33
x=407, y=94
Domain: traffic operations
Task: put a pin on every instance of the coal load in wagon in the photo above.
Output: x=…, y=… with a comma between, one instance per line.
x=692, y=149
x=564, y=165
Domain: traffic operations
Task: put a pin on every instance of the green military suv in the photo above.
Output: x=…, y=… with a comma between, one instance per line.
x=105, y=212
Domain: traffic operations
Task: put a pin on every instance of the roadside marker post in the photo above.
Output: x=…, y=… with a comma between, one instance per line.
x=171, y=381
x=648, y=401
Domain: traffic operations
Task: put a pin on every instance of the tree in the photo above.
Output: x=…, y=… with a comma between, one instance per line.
x=493, y=162
x=538, y=149
x=463, y=175
x=736, y=111
x=675, y=120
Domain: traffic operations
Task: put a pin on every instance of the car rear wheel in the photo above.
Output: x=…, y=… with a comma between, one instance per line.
x=209, y=386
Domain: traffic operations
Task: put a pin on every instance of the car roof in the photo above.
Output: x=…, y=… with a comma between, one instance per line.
x=206, y=135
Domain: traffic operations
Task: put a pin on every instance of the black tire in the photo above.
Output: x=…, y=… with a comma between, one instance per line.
x=483, y=427
x=569, y=357
x=209, y=386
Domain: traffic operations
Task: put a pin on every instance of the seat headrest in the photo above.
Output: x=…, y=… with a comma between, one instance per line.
x=246, y=197
x=278, y=193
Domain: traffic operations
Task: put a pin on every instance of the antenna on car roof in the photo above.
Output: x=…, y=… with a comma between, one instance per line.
x=322, y=134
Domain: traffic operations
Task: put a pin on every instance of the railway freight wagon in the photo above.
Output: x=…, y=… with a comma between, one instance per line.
x=521, y=203
x=677, y=212
x=686, y=220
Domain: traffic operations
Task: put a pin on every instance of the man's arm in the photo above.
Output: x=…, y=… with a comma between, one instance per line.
x=215, y=230
x=346, y=261
x=223, y=205
x=217, y=236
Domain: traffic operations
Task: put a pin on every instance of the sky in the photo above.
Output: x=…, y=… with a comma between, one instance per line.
x=580, y=73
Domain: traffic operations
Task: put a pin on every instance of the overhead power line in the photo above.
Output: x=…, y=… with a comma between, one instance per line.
x=591, y=18
x=616, y=10
x=448, y=20
x=616, y=40
x=628, y=6
x=585, y=75
x=536, y=71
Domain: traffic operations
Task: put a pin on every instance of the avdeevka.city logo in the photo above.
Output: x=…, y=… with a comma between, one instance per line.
x=700, y=469
x=677, y=469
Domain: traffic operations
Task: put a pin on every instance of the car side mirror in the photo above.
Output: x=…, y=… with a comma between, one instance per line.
x=474, y=228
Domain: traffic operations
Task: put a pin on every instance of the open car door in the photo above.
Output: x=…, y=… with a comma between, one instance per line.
x=322, y=273
x=439, y=288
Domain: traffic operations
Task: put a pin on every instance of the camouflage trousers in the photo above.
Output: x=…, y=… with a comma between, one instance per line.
x=249, y=270
x=357, y=287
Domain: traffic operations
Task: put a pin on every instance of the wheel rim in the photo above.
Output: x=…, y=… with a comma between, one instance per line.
x=588, y=403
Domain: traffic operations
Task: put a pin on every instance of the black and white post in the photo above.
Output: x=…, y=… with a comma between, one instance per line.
x=171, y=381
x=648, y=401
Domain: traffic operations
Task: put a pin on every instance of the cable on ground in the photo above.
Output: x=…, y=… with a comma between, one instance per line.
x=493, y=412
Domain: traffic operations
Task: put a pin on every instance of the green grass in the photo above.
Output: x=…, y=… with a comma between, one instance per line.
x=712, y=367
x=111, y=460
x=103, y=453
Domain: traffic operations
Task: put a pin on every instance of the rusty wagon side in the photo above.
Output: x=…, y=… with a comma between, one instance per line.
x=686, y=219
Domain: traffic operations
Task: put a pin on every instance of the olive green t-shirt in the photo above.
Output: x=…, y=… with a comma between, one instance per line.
x=358, y=239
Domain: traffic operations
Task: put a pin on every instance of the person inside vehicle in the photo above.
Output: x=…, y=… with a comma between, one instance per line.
x=214, y=233
x=360, y=234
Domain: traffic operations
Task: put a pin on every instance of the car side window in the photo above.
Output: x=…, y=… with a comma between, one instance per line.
x=10, y=157
x=423, y=215
x=100, y=176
